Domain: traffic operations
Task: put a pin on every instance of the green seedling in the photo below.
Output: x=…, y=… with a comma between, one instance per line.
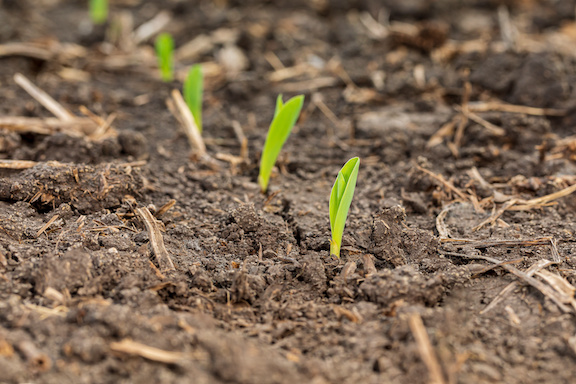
x=285, y=116
x=165, y=53
x=98, y=11
x=340, y=200
x=193, y=89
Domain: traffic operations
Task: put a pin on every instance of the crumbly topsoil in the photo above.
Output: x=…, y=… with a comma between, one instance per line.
x=461, y=112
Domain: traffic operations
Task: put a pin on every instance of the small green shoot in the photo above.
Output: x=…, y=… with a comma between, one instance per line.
x=193, y=89
x=340, y=200
x=285, y=116
x=165, y=53
x=98, y=11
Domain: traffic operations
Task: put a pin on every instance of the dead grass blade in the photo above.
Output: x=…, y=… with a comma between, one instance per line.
x=156, y=239
x=559, y=298
x=511, y=108
x=425, y=348
x=496, y=215
x=183, y=114
x=48, y=126
x=47, y=225
x=239, y=132
x=134, y=348
x=541, y=201
x=448, y=185
x=491, y=128
x=440, y=225
x=309, y=85
x=16, y=164
x=151, y=27
x=498, y=243
x=43, y=98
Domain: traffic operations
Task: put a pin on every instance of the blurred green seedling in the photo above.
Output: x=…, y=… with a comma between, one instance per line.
x=98, y=11
x=165, y=52
x=193, y=89
x=285, y=116
x=340, y=200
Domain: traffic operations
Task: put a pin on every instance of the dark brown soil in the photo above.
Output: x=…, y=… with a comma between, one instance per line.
x=255, y=296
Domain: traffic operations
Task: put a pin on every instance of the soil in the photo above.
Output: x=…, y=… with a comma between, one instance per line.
x=254, y=296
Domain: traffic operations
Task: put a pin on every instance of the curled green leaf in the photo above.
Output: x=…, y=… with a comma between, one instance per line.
x=340, y=200
x=285, y=116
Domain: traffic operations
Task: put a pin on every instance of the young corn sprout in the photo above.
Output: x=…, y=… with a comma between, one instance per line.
x=98, y=11
x=193, y=89
x=165, y=51
x=285, y=116
x=340, y=200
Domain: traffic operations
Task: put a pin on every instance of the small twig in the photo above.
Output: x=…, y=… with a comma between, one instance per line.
x=151, y=27
x=529, y=204
x=165, y=208
x=426, y=350
x=496, y=215
x=554, y=250
x=156, y=239
x=552, y=294
x=439, y=178
x=491, y=128
x=130, y=347
x=440, y=224
x=445, y=130
x=464, y=120
x=43, y=98
x=511, y=108
x=274, y=61
x=239, y=132
x=513, y=285
x=309, y=85
x=48, y=126
x=17, y=164
x=497, y=243
x=47, y=225
x=187, y=120
x=317, y=100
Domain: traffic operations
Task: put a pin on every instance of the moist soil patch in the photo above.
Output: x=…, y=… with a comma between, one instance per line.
x=127, y=257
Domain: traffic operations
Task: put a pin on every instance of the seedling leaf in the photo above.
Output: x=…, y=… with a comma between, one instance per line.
x=98, y=11
x=279, y=104
x=285, y=116
x=193, y=90
x=340, y=200
x=164, y=51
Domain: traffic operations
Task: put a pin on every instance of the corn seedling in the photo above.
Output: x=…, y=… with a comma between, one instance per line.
x=340, y=200
x=98, y=11
x=193, y=89
x=165, y=52
x=285, y=116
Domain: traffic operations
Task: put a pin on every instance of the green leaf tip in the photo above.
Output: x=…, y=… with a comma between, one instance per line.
x=98, y=11
x=340, y=200
x=165, y=50
x=285, y=117
x=193, y=90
